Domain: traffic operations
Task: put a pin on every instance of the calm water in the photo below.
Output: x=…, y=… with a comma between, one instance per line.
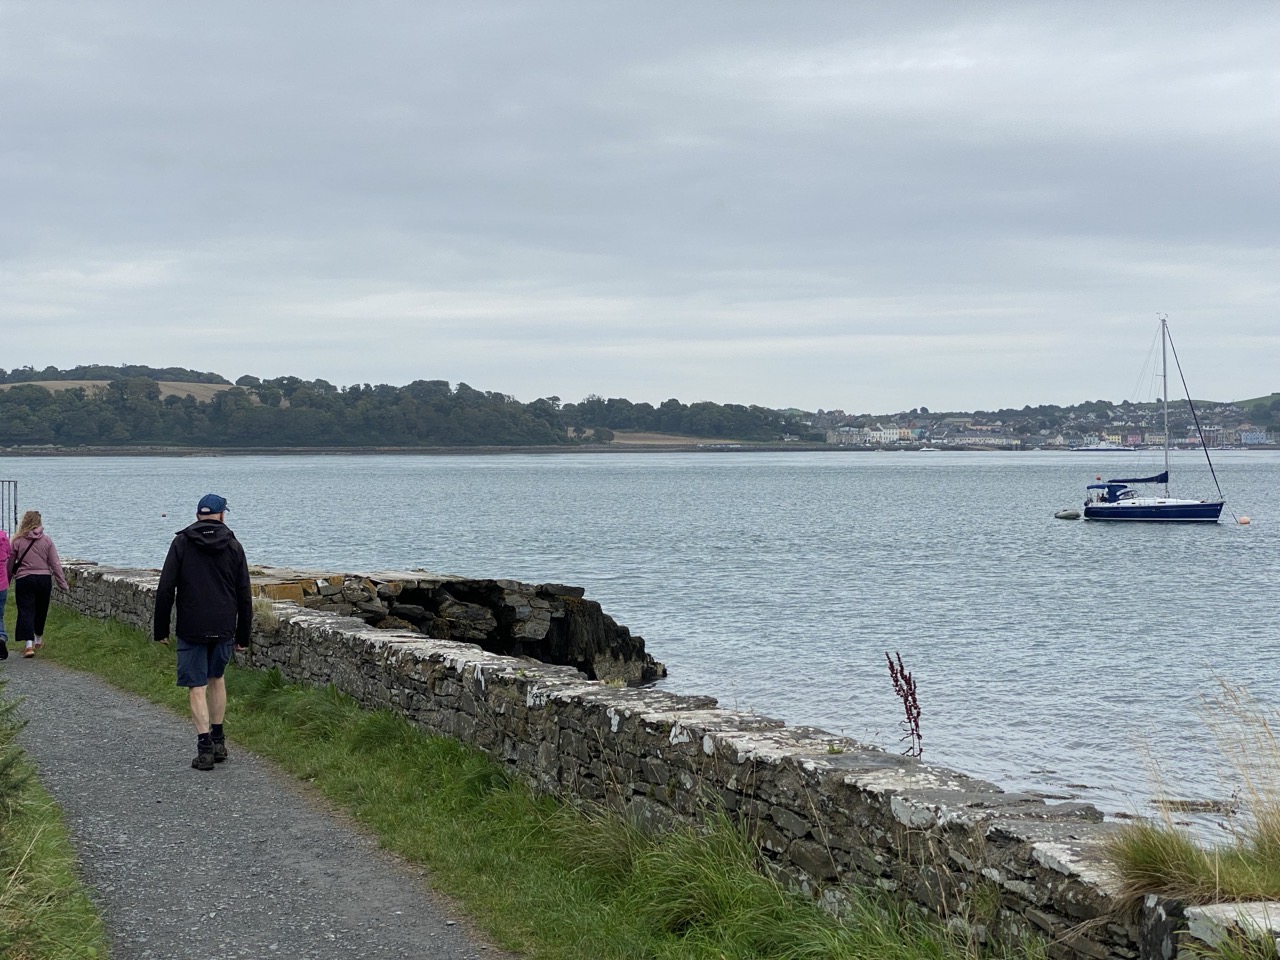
x=1064, y=657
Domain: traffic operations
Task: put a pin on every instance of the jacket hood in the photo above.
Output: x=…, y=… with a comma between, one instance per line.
x=208, y=535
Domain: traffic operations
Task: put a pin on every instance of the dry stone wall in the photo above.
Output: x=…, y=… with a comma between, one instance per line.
x=828, y=812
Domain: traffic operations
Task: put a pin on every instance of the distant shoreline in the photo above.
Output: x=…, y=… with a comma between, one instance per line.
x=402, y=451
x=611, y=448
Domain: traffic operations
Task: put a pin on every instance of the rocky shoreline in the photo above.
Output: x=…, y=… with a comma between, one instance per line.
x=546, y=622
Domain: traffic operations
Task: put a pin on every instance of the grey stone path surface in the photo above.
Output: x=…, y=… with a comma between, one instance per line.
x=237, y=862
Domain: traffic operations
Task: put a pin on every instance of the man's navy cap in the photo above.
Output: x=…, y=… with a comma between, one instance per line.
x=211, y=503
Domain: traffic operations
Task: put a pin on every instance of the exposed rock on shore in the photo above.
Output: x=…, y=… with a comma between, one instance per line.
x=548, y=622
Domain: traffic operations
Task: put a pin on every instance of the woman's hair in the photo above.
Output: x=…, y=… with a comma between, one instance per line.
x=30, y=521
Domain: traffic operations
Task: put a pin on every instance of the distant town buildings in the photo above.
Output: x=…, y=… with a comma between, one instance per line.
x=1049, y=428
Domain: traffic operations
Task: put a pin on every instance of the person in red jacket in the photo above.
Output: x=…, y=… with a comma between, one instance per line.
x=207, y=573
x=33, y=567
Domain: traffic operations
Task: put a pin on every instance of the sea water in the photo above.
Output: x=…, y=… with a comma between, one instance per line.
x=1070, y=658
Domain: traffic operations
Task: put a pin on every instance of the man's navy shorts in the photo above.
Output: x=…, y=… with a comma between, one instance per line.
x=200, y=662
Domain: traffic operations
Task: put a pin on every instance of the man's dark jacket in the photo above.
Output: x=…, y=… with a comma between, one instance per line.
x=207, y=570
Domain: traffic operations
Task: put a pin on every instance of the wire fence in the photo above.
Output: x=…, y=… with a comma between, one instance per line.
x=9, y=505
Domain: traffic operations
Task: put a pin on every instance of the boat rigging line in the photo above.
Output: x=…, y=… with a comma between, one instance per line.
x=1194, y=416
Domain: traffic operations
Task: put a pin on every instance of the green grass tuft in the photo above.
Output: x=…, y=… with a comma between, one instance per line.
x=1161, y=857
x=264, y=616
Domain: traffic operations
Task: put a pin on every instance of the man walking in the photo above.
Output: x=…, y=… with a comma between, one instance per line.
x=207, y=570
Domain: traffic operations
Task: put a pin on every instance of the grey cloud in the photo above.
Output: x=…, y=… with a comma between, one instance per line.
x=904, y=201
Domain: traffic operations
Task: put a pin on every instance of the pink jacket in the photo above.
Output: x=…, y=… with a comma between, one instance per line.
x=34, y=554
x=5, y=550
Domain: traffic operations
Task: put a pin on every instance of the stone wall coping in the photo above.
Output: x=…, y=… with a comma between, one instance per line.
x=1213, y=923
x=261, y=573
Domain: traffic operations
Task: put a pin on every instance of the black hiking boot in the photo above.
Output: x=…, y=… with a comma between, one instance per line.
x=219, y=751
x=203, y=761
x=4, y=649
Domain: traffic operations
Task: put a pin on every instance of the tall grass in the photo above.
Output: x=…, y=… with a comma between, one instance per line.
x=540, y=877
x=45, y=913
x=1161, y=857
x=15, y=774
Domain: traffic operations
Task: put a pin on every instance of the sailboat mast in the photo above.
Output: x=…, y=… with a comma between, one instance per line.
x=1164, y=365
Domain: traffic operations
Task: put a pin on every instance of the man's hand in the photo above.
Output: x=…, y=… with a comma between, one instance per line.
x=240, y=649
x=164, y=640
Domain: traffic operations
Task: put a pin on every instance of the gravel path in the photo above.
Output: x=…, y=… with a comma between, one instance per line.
x=274, y=873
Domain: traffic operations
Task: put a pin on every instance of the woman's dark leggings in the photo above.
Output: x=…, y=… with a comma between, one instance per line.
x=32, y=596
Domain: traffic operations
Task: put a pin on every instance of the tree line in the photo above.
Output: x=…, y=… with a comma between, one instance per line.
x=703, y=419
x=291, y=412
x=100, y=372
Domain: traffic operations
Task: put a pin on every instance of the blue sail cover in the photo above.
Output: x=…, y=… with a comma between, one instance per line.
x=1158, y=478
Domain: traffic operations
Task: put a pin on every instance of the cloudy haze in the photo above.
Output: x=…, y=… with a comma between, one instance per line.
x=839, y=205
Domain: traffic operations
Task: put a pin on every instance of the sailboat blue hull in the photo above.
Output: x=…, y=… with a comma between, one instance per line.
x=1207, y=512
x=1118, y=500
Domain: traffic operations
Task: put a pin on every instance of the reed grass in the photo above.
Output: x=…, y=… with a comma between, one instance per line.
x=1161, y=857
x=540, y=877
x=1234, y=948
x=264, y=616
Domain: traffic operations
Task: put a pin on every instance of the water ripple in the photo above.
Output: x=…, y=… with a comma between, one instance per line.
x=1063, y=657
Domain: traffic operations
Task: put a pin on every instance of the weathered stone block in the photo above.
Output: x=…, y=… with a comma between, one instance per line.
x=560, y=590
x=410, y=611
x=281, y=591
x=788, y=821
x=354, y=591
x=814, y=859
x=467, y=621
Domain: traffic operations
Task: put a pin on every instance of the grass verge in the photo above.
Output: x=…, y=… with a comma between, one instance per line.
x=45, y=913
x=541, y=878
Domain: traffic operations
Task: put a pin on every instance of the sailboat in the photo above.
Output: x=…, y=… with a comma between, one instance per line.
x=1118, y=500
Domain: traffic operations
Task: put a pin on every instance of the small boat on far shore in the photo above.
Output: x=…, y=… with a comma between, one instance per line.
x=1106, y=446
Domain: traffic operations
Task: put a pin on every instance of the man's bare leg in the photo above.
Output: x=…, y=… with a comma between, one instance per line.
x=217, y=701
x=200, y=707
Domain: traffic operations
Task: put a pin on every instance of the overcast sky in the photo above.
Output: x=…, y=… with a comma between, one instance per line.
x=864, y=206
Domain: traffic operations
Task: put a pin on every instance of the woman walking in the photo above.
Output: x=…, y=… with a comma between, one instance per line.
x=33, y=567
x=5, y=550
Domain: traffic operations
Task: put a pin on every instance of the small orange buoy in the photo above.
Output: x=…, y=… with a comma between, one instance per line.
x=1245, y=521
